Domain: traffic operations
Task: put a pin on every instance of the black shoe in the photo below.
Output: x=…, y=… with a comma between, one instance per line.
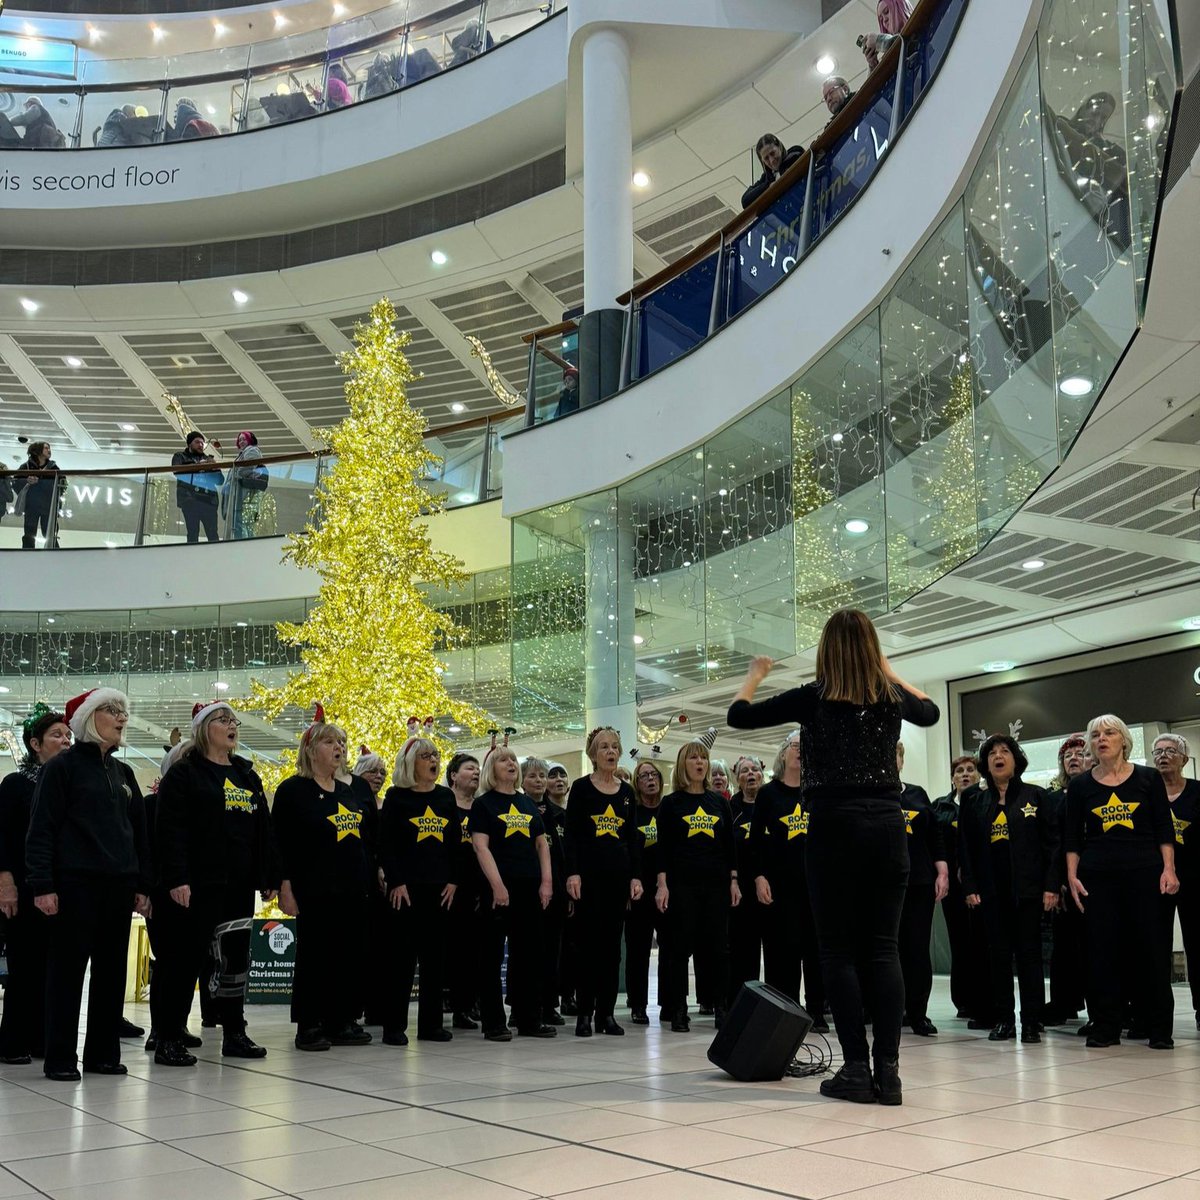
x=704, y=1010
x=435, y=1035
x=349, y=1035
x=190, y=1041
x=554, y=1017
x=238, y=1045
x=1162, y=1043
x=1085, y=1030
x=583, y=1025
x=497, y=1035
x=16, y=1060
x=116, y=1068
x=609, y=1025
x=1097, y=1042
x=394, y=1037
x=1138, y=1033
x=1030, y=1035
x=976, y=1023
x=853, y=1082
x=70, y=1075
x=637, y=1015
x=152, y=1040
x=173, y=1054
x=568, y=1008
x=463, y=1021
x=312, y=1039
x=537, y=1031
x=887, y=1081
x=209, y=1024
x=127, y=1029
x=923, y=1027
x=1005, y=1031
x=820, y=1025
x=680, y=1022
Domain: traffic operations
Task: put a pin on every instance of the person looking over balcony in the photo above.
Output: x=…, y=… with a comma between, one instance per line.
x=241, y=497
x=774, y=160
x=37, y=496
x=189, y=123
x=836, y=93
x=41, y=133
x=892, y=14
x=112, y=132
x=568, y=397
x=196, y=492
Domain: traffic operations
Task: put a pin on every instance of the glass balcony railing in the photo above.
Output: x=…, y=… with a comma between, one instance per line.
x=154, y=506
x=235, y=89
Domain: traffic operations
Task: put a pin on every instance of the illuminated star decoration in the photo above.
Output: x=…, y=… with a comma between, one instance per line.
x=701, y=822
x=910, y=815
x=346, y=821
x=650, y=832
x=1000, y=828
x=1180, y=826
x=1116, y=812
x=607, y=823
x=1029, y=810
x=429, y=825
x=796, y=822
x=515, y=821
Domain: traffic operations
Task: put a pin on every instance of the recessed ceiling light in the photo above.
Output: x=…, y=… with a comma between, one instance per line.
x=1075, y=385
x=111, y=545
x=439, y=258
x=242, y=624
x=458, y=407
x=239, y=297
x=699, y=453
x=183, y=360
x=826, y=64
x=999, y=664
x=1033, y=564
x=212, y=112
x=220, y=30
x=638, y=639
x=4, y=690
x=641, y=179
x=712, y=664
x=72, y=361
x=220, y=686
x=466, y=497
x=456, y=729
x=49, y=620
x=128, y=427
x=1192, y=623
x=280, y=20
x=30, y=306
x=94, y=34
x=837, y=437
x=856, y=525
x=159, y=32
x=339, y=10
x=722, y=491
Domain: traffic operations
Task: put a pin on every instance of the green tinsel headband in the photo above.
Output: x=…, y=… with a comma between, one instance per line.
x=40, y=710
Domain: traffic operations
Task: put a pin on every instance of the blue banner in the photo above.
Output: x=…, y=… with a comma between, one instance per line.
x=767, y=251
x=847, y=166
x=676, y=317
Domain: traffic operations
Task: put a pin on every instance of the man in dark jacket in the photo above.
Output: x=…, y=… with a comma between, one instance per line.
x=41, y=133
x=197, y=492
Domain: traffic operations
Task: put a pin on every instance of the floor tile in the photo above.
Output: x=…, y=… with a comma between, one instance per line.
x=565, y=1168
x=102, y=1166
x=12, y=1185
x=935, y=1187
x=198, y=1124
x=245, y=1145
x=594, y=1124
x=17, y=1146
x=908, y=1151
x=505, y=1109
x=795, y=1127
x=328, y=1168
x=672, y=1186
x=441, y=1183
x=1114, y=1149
x=803, y=1173
x=395, y=1122
x=453, y=1147
x=1058, y=1177
x=685, y=1110
x=686, y=1146
x=1057, y=1114
x=204, y=1183
x=978, y=1130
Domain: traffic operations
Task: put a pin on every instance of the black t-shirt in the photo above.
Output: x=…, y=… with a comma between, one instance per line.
x=695, y=838
x=241, y=839
x=600, y=831
x=322, y=839
x=924, y=836
x=470, y=877
x=512, y=824
x=16, y=803
x=1185, y=811
x=1119, y=828
x=778, y=835
x=647, y=829
x=418, y=833
x=743, y=850
x=554, y=821
x=945, y=812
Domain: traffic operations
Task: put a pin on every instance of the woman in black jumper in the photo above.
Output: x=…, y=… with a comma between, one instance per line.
x=213, y=851
x=418, y=838
x=328, y=872
x=643, y=920
x=23, y=1027
x=463, y=951
x=697, y=880
x=602, y=877
x=88, y=863
x=535, y=778
x=746, y=921
x=778, y=836
x=1121, y=872
x=366, y=782
x=856, y=856
x=1008, y=856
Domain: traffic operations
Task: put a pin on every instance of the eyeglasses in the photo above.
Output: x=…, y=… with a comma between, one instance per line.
x=225, y=718
x=1167, y=752
x=113, y=710
x=428, y=754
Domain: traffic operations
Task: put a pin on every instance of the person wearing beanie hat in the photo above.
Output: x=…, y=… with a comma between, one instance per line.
x=241, y=497
x=214, y=850
x=196, y=492
x=23, y=1027
x=88, y=863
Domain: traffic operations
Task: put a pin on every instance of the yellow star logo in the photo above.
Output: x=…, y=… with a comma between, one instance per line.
x=796, y=823
x=910, y=815
x=515, y=821
x=1116, y=812
x=346, y=821
x=1029, y=810
x=746, y=830
x=650, y=832
x=607, y=823
x=1000, y=827
x=429, y=824
x=238, y=799
x=702, y=822
x=1180, y=825
x=466, y=832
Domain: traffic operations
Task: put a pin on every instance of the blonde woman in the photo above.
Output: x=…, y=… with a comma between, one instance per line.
x=643, y=921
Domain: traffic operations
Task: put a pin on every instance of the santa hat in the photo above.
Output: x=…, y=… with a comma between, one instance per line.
x=368, y=760
x=206, y=708
x=80, y=708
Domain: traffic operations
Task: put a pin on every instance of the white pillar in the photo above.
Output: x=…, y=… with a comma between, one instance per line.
x=607, y=170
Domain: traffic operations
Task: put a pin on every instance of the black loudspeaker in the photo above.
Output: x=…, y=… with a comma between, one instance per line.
x=760, y=1034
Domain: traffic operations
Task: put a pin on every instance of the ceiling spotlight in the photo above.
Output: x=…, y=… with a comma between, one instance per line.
x=856, y=525
x=638, y=640
x=239, y=297
x=439, y=258
x=280, y=20
x=158, y=32
x=241, y=624
x=219, y=30
x=1075, y=385
x=826, y=64
x=458, y=407
x=339, y=10
x=128, y=427
x=456, y=729
x=1192, y=623
x=94, y=34
x=1033, y=564
x=641, y=180
x=221, y=687
x=49, y=620
x=999, y=664
x=72, y=361
x=466, y=497
x=30, y=306
x=837, y=437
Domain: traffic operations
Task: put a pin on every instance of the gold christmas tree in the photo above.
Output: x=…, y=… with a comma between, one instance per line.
x=367, y=644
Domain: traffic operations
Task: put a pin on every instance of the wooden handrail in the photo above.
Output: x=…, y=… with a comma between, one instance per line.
x=551, y=331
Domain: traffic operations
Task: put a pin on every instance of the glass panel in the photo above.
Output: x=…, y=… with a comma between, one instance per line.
x=1016, y=440
x=99, y=510
x=929, y=443
x=677, y=316
x=507, y=18
x=926, y=51
x=287, y=94
x=440, y=41
x=37, y=120
x=130, y=117
x=749, y=545
x=18, y=658
x=371, y=72
x=555, y=376
x=837, y=483
x=459, y=478
x=498, y=429
x=767, y=251
x=200, y=109
x=78, y=650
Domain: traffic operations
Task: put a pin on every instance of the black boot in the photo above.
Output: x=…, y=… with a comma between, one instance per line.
x=463, y=1020
x=583, y=1025
x=887, y=1081
x=173, y=1054
x=553, y=1017
x=609, y=1025
x=680, y=1022
x=1005, y=1031
x=238, y=1045
x=127, y=1029
x=637, y=1014
x=853, y=1082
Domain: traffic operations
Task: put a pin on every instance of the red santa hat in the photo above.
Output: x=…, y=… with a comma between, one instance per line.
x=206, y=708
x=80, y=708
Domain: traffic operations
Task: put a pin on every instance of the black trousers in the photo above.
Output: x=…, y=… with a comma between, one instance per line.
x=183, y=942
x=569, y=958
x=377, y=968
x=92, y=923
x=746, y=925
x=857, y=865
x=417, y=934
x=642, y=922
x=790, y=951
x=519, y=924
x=331, y=948
x=554, y=920
x=969, y=986
x=1068, y=959
x=699, y=929
x=1129, y=951
x=916, y=928
x=36, y=518
x=197, y=514
x=26, y=943
x=1014, y=930
x=463, y=931
x=600, y=911
x=1187, y=901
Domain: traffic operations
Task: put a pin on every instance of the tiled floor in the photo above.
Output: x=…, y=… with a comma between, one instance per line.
x=645, y=1117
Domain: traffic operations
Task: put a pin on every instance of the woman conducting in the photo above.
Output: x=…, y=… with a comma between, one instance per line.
x=856, y=856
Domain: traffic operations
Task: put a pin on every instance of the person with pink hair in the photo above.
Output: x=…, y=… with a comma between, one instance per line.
x=892, y=15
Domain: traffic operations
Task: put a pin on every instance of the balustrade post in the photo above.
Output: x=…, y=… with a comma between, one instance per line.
x=52, y=518
x=807, y=216
x=898, y=95
x=139, y=535
x=485, y=464
x=714, y=309
x=530, y=386
x=627, y=348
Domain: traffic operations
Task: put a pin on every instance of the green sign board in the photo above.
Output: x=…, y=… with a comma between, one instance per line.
x=272, y=961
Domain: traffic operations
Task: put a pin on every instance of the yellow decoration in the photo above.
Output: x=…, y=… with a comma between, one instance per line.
x=346, y=821
x=1000, y=828
x=701, y=822
x=910, y=815
x=429, y=825
x=607, y=823
x=1029, y=810
x=1116, y=812
x=515, y=821
x=507, y=398
x=367, y=644
x=1180, y=827
x=796, y=822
